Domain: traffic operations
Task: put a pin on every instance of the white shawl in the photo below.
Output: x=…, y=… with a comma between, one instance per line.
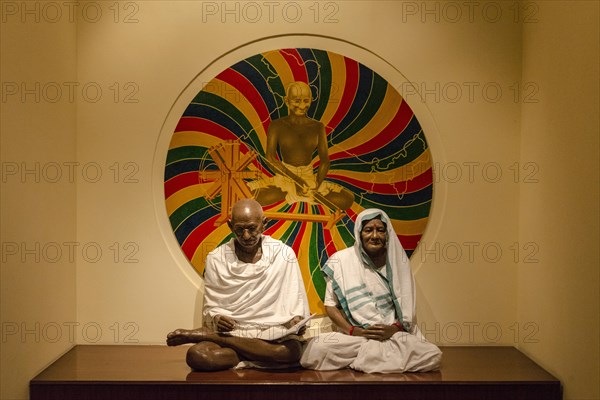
x=346, y=270
x=269, y=292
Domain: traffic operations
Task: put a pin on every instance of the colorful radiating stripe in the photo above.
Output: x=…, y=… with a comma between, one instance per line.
x=377, y=150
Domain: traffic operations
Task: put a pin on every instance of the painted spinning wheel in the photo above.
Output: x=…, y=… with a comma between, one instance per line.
x=376, y=147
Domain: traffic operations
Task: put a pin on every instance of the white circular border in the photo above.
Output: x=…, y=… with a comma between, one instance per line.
x=360, y=54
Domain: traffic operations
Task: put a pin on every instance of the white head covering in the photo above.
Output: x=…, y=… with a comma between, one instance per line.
x=398, y=272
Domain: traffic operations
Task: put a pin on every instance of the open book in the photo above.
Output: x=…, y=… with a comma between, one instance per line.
x=277, y=332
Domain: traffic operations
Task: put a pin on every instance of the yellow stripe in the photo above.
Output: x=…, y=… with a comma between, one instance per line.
x=388, y=109
x=185, y=195
x=281, y=230
x=243, y=104
x=314, y=301
x=208, y=244
x=338, y=82
x=405, y=173
x=281, y=67
x=193, y=138
x=357, y=208
x=408, y=228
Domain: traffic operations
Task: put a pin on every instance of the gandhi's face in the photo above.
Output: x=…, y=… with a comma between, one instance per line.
x=373, y=237
x=298, y=100
x=247, y=225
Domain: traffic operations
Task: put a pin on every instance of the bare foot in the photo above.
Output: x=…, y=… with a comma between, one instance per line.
x=183, y=336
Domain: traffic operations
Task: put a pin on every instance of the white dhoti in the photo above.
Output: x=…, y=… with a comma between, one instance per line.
x=403, y=352
x=289, y=186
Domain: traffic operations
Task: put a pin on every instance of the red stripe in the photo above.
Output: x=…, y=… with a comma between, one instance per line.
x=409, y=186
x=387, y=134
x=409, y=242
x=205, y=126
x=209, y=127
x=260, y=167
x=351, y=214
x=296, y=63
x=280, y=222
x=277, y=224
x=197, y=236
x=329, y=245
x=350, y=88
x=243, y=85
x=272, y=207
x=274, y=227
x=179, y=182
x=298, y=238
x=330, y=248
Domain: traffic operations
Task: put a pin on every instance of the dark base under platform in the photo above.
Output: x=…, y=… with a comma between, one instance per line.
x=160, y=372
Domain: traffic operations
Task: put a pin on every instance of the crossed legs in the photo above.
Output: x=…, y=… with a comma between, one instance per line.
x=213, y=351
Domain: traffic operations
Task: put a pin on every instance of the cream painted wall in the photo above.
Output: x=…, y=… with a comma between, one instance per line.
x=135, y=61
x=38, y=197
x=171, y=45
x=560, y=212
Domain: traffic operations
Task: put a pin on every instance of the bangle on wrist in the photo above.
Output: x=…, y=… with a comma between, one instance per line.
x=351, y=330
x=399, y=326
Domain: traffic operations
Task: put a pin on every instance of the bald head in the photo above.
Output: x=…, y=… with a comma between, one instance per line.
x=246, y=209
x=247, y=223
x=298, y=99
x=298, y=89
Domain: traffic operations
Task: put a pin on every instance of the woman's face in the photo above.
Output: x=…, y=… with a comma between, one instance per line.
x=373, y=237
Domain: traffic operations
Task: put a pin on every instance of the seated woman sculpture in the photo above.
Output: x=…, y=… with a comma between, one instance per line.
x=370, y=298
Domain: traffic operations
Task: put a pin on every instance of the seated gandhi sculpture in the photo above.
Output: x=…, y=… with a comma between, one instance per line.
x=370, y=298
x=297, y=137
x=252, y=283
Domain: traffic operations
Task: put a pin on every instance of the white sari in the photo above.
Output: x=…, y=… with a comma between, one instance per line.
x=367, y=296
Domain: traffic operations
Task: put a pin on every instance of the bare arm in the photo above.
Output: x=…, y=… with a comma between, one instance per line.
x=338, y=318
x=323, y=157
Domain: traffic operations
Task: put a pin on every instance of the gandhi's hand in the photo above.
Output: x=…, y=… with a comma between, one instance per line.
x=293, y=322
x=224, y=323
x=304, y=187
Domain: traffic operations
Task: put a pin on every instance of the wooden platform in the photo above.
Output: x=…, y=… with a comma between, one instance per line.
x=160, y=372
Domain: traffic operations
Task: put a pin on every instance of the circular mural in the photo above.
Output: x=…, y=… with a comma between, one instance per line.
x=313, y=135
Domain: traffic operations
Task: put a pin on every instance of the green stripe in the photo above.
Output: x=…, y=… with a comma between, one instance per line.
x=355, y=298
x=364, y=303
x=401, y=157
x=286, y=235
x=340, y=295
x=356, y=289
x=406, y=213
x=273, y=80
x=313, y=263
x=322, y=58
x=185, y=153
x=234, y=113
x=386, y=297
x=374, y=102
x=187, y=209
x=344, y=232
